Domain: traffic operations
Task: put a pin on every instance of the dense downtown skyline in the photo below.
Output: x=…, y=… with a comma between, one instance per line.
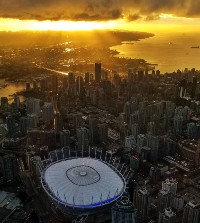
x=99, y=14
x=100, y=111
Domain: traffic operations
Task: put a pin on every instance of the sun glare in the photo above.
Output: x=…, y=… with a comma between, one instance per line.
x=166, y=22
x=34, y=25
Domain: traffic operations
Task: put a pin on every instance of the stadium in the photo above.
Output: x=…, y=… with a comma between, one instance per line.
x=82, y=182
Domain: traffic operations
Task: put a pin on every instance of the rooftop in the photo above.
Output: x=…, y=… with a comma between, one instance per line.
x=83, y=182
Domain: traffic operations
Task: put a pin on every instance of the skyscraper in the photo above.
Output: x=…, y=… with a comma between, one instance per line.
x=87, y=78
x=83, y=139
x=177, y=202
x=97, y=72
x=71, y=81
x=79, y=84
x=151, y=128
x=23, y=125
x=103, y=133
x=154, y=144
x=64, y=138
x=191, y=130
x=17, y=100
x=169, y=147
x=35, y=85
x=123, y=131
x=178, y=124
x=93, y=129
x=43, y=84
x=54, y=83
x=47, y=113
x=164, y=198
x=71, y=84
x=167, y=216
x=191, y=212
x=9, y=167
x=127, y=108
x=141, y=142
x=10, y=121
x=28, y=86
x=142, y=202
x=123, y=211
x=33, y=106
x=170, y=185
x=32, y=121
x=135, y=130
x=77, y=120
x=42, y=138
x=91, y=77
x=58, y=122
x=4, y=103
x=65, y=82
x=130, y=141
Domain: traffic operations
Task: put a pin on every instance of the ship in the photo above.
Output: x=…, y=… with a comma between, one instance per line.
x=194, y=47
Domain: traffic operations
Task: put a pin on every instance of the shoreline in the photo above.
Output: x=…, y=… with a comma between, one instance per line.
x=110, y=38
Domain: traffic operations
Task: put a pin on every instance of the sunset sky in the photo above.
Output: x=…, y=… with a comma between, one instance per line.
x=16, y=15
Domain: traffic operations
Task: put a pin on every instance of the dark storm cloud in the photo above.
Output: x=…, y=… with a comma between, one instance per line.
x=133, y=17
x=112, y=15
x=90, y=10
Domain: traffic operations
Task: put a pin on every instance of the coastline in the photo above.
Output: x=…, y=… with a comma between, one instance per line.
x=90, y=38
x=168, y=52
x=83, y=54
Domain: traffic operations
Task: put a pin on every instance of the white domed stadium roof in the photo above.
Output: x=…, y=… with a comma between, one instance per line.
x=83, y=182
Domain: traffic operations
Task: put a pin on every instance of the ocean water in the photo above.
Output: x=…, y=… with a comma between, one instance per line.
x=171, y=51
x=11, y=89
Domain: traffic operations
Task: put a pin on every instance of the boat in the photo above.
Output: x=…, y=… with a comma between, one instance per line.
x=194, y=47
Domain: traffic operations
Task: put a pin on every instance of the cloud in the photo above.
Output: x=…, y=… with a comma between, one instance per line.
x=152, y=17
x=98, y=10
x=133, y=17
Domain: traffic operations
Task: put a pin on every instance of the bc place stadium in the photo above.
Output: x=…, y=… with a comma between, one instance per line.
x=83, y=182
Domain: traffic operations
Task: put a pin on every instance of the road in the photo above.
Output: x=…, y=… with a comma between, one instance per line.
x=55, y=71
